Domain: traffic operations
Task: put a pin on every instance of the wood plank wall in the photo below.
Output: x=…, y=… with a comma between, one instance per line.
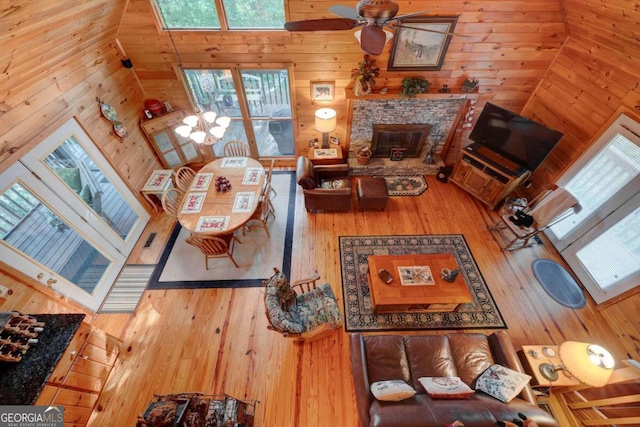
x=56, y=58
x=595, y=77
x=510, y=46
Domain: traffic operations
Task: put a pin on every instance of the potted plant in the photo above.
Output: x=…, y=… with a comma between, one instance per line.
x=363, y=155
x=411, y=86
x=365, y=76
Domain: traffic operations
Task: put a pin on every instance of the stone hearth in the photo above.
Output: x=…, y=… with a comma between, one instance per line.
x=407, y=166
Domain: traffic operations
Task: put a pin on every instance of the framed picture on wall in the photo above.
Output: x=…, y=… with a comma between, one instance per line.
x=421, y=43
x=322, y=91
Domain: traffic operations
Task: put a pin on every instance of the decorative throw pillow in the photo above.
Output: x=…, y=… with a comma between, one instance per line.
x=331, y=184
x=502, y=383
x=445, y=387
x=392, y=390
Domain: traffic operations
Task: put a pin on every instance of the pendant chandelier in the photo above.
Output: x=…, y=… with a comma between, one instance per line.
x=204, y=127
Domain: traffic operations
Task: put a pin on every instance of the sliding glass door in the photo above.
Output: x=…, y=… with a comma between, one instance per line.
x=602, y=242
x=66, y=217
x=258, y=101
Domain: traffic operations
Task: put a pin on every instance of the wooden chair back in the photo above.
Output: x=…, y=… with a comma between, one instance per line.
x=172, y=201
x=209, y=245
x=236, y=149
x=213, y=247
x=184, y=177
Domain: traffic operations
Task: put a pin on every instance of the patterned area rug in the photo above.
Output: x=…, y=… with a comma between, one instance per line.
x=359, y=316
x=405, y=185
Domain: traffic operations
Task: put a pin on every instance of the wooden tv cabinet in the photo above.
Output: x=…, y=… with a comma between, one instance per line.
x=487, y=175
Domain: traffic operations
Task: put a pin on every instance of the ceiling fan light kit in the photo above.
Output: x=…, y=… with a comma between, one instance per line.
x=372, y=15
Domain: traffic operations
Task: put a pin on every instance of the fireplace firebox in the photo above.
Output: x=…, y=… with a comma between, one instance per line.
x=411, y=138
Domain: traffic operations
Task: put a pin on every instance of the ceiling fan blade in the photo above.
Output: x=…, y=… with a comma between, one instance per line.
x=322, y=24
x=344, y=11
x=432, y=31
x=408, y=15
x=373, y=39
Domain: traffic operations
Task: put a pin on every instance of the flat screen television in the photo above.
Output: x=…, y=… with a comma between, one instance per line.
x=514, y=137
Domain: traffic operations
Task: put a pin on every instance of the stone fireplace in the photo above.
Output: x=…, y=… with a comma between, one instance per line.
x=431, y=120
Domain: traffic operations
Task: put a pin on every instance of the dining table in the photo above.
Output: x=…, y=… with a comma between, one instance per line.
x=210, y=210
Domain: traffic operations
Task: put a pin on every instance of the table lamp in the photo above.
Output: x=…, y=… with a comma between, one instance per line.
x=590, y=364
x=326, y=122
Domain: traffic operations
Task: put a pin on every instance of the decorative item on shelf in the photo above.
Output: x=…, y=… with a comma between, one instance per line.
x=384, y=91
x=154, y=106
x=326, y=122
x=204, y=128
x=365, y=76
x=469, y=85
x=109, y=113
x=445, y=89
x=590, y=364
x=363, y=155
x=412, y=86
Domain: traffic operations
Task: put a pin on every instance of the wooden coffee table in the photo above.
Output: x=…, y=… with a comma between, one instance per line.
x=393, y=297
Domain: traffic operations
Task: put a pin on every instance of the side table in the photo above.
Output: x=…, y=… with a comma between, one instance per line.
x=537, y=358
x=326, y=156
x=159, y=181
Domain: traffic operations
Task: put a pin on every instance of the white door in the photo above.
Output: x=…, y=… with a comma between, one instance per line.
x=67, y=218
x=69, y=163
x=47, y=240
x=601, y=242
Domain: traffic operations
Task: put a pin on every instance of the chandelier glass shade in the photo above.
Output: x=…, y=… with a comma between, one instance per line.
x=204, y=127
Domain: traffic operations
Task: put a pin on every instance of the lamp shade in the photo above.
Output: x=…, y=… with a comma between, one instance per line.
x=326, y=120
x=590, y=364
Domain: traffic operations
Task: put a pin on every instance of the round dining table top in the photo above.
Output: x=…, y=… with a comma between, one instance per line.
x=208, y=211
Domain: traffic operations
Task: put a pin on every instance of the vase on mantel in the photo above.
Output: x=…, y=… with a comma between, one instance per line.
x=358, y=90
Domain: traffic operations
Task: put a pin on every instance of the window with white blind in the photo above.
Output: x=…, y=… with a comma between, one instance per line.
x=602, y=242
x=615, y=166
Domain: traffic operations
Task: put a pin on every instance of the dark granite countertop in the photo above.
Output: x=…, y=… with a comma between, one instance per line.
x=21, y=382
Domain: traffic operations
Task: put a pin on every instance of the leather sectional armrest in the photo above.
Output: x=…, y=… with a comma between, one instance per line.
x=360, y=377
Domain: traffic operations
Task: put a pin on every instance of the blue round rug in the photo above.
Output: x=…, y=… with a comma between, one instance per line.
x=558, y=283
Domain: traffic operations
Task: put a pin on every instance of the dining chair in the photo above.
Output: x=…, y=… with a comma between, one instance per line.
x=214, y=247
x=171, y=201
x=236, y=149
x=262, y=214
x=184, y=177
x=267, y=179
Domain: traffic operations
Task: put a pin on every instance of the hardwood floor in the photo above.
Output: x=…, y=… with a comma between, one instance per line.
x=216, y=340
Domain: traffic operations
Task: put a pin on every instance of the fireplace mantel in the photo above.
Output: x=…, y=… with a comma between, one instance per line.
x=394, y=93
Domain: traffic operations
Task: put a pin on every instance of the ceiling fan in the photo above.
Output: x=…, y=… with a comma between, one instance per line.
x=372, y=14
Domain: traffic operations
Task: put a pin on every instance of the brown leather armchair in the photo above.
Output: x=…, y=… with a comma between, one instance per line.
x=325, y=187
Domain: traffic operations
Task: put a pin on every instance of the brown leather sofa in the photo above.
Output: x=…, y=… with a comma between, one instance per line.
x=409, y=356
x=311, y=179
